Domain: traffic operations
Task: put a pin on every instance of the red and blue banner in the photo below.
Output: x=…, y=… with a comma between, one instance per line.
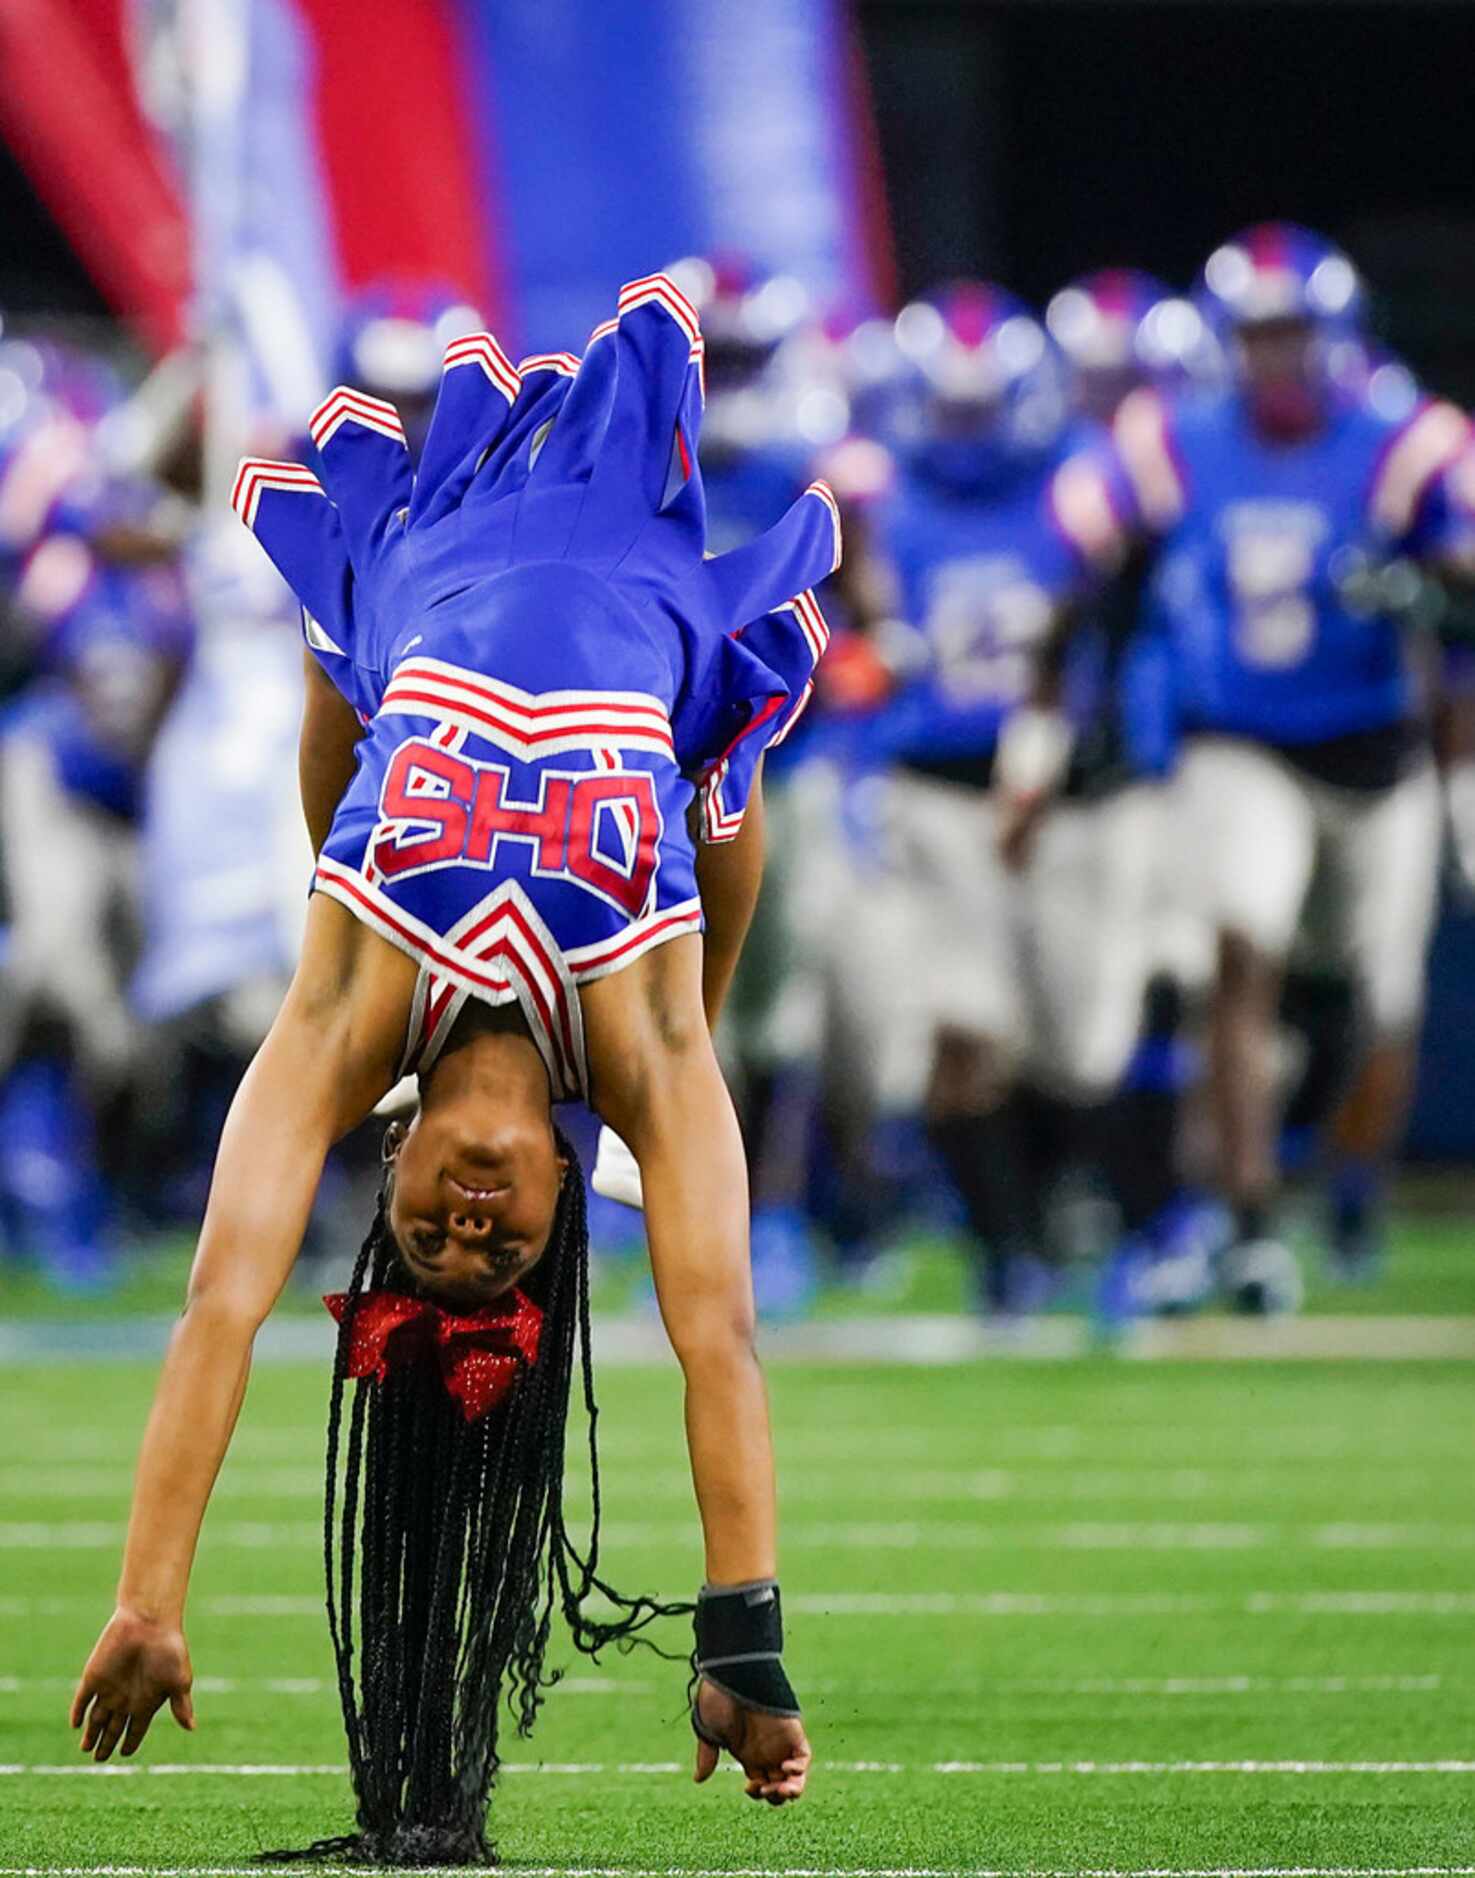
x=526, y=153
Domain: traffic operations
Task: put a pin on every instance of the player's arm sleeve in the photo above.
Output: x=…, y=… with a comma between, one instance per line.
x=1126, y=488
x=1110, y=503
x=1422, y=496
x=1447, y=538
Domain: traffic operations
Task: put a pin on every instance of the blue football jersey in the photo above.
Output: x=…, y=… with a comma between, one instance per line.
x=555, y=679
x=111, y=642
x=1256, y=594
x=980, y=576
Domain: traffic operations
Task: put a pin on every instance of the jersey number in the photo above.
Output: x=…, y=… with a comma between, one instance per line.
x=984, y=631
x=1275, y=618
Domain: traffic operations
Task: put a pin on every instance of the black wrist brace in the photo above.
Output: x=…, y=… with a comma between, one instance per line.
x=740, y=1641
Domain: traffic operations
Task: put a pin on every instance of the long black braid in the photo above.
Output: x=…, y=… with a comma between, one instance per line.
x=446, y=1554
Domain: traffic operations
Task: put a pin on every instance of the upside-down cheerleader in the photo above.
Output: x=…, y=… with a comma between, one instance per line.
x=530, y=763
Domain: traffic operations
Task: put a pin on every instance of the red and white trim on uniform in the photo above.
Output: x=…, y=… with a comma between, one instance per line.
x=564, y=363
x=343, y=405
x=719, y=823
x=257, y=474
x=662, y=291
x=1140, y=432
x=793, y=718
x=436, y=1005
x=602, y=331
x=1080, y=503
x=530, y=725
x=482, y=349
x=504, y=926
x=625, y=811
x=827, y=496
x=812, y=622
x=1425, y=447
x=499, y=951
x=612, y=955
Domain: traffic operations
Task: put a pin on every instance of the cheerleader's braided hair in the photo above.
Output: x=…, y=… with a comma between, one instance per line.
x=446, y=1552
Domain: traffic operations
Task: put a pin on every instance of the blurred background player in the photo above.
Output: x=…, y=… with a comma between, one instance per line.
x=843, y=375
x=978, y=566
x=1279, y=517
x=1120, y=329
x=100, y=636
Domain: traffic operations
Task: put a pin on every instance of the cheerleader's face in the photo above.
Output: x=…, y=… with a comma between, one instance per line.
x=472, y=1200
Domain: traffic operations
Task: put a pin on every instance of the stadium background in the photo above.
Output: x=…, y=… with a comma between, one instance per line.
x=1227, y=1589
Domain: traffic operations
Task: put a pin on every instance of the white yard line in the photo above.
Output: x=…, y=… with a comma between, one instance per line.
x=1150, y=1444
x=80, y=1478
x=855, y=1536
x=993, y=1769
x=1132, y=1604
x=1153, y=1686
x=1362, y=1603
x=1001, y=1604
x=1223, y=1685
x=320, y=1685
x=920, y=1339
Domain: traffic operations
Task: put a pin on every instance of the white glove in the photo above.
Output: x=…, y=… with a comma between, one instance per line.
x=616, y=1171
x=1034, y=751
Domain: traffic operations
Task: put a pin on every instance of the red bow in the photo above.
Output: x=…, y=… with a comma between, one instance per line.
x=481, y=1355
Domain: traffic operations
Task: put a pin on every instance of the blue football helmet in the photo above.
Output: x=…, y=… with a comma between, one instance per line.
x=1119, y=328
x=1287, y=302
x=1278, y=271
x=989, y=388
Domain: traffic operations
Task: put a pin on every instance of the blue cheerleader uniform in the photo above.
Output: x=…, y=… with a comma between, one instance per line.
x=561, y=693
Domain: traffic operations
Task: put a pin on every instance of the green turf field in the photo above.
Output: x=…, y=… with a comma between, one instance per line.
x=1074, y=1618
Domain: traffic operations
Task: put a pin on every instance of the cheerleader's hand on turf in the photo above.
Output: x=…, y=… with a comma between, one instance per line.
x=136, y=1667
x=771, y=1749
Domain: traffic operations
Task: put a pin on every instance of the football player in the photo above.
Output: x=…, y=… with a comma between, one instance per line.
x=1281, y=520
x=101, y=623
x=1120, y=329
x=978, y=1031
